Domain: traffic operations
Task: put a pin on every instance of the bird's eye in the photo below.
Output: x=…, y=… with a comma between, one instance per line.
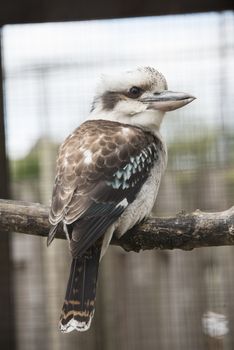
x=135, y=92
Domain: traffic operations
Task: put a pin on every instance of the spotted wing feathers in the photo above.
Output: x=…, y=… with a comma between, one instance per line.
x=100, y=169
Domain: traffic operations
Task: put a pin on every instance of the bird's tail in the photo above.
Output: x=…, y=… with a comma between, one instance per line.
x=78, y=307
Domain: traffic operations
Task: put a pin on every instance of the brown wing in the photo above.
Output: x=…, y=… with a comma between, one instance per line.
x=100, y=169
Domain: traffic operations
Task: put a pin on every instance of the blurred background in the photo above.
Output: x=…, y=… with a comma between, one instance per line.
x=152, y=300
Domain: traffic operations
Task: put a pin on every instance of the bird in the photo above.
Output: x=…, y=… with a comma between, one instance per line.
x=107, y=177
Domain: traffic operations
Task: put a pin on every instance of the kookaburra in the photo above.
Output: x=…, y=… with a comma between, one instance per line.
x=108, y=175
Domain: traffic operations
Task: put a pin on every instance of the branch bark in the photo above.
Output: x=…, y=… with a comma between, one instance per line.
x=184, y=231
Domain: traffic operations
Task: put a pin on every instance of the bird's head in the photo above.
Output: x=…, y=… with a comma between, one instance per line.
x=138, y=97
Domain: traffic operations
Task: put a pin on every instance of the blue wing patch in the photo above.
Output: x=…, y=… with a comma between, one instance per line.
x=136, y=170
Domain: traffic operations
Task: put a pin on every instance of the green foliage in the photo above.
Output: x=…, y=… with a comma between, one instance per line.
x=28, y=168
x=25, y=168
x=194, y=151
x=209, y=150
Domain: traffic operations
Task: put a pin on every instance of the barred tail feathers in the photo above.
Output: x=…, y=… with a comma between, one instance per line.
x=78, y=307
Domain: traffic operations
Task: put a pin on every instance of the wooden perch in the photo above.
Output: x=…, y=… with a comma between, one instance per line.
x=184, y=231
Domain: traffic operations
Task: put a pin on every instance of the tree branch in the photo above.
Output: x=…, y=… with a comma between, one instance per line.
x=184, y=231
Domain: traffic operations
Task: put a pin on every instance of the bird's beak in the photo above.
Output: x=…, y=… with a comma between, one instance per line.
x=167, y=100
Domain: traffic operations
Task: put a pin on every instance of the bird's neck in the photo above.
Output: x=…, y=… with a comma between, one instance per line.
x=148, y=120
